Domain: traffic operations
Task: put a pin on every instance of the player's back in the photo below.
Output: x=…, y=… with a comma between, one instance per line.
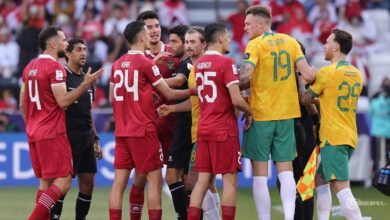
x=342, y=85
x=133, y=77
x=273, y=84
x=44, y=117
x=214, y=73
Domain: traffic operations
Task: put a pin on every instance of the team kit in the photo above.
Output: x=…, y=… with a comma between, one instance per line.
x=178, y=104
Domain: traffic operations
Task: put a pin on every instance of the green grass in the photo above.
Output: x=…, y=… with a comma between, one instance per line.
x=16, y=204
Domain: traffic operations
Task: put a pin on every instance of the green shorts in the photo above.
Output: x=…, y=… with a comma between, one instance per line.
x=334, y=162
x=192, y=158
x=270, y=137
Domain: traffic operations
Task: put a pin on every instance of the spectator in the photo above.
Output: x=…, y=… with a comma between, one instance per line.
x=323, y=26
x=90, y=27
x=6, y=125
x=7, y=100
x=9, y=54
x=64, y=7
x=172, y=13
x=381, y=4
x=323, y=7
x=116, y=24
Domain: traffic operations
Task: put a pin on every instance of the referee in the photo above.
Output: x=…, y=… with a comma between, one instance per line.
x=80, y=131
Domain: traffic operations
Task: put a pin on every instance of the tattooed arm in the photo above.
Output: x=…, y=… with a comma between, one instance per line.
x=246, y=72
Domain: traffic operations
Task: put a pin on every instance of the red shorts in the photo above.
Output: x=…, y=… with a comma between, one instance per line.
x=165, y=135
x=142, y=153
x=51, y=158
x=218, y=157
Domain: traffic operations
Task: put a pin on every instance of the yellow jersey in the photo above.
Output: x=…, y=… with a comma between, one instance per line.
x=273, y=89
x=338, y=86
x=194, y=106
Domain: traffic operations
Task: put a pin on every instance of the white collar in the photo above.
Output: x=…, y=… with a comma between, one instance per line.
x=212, y=52
x=135, y=52
x=148, y=52
x=46, y=56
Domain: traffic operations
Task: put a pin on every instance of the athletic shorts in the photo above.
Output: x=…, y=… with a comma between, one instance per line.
x=218, y=157
x=334, y=162
x=165, y=136
x=84, y=158
x=179, y=152
x=142, y=153
x=265, y=138
x=51, y=158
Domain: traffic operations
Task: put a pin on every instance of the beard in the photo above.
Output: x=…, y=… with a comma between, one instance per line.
x=61, y=54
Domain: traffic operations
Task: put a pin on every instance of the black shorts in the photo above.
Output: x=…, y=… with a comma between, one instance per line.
x=84, y=159
x=179, y=152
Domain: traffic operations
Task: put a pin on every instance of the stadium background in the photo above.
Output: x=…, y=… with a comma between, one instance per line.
x=100, y=23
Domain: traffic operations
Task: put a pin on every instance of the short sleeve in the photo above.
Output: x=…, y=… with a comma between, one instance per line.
x=152, y=73
x=184, y=68
x=57, y=74
x=230, y=73
x=298, y=54
x=320, y=82
x=252, y=54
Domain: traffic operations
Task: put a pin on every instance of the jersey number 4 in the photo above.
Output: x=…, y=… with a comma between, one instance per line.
x=124, y=80
x=207, y=82
x=34, y=97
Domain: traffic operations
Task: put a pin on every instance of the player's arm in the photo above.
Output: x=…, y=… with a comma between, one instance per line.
x=165, y=110
x=237, y=100
x=177, y=81
x=64, y=98
x=246, y=72
x=171, y=94
x=22, y=104
x=111, y=93
x=307, y=72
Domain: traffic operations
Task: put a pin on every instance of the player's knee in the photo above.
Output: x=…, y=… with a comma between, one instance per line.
x=87, y=187
x=172, y=177
x=140, y=180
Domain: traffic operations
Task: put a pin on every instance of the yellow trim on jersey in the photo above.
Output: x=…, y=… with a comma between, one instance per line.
x=338, y=86
x=194, y=106
x=273, y=88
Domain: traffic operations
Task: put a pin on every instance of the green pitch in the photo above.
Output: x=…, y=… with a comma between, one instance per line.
x=16, y=204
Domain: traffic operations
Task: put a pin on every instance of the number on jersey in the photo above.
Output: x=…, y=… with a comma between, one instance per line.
x=34, y=97
x=124, y=80
x=207, y=82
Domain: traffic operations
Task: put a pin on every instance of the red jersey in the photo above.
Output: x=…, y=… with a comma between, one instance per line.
x=214, y=73
x=238, y=22
x=133, y=77
x=44, y=117
x=167, y=67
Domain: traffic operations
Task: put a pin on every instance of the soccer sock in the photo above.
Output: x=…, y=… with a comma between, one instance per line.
x=209, y=208
x=39, y=193
x=193, y=213
x=56, y=211
x=82, y=206
x=287, y=193
x=155, y=214
x=136, y=202
x=46, y=201
x=228, y=212
x=349, y=205
x=179, y=198
x=261, y=197
x=217, y=200
x=324, y=202
x=115, y=214
x=308, y=208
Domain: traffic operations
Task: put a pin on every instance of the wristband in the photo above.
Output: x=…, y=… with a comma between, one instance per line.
x=315, y=118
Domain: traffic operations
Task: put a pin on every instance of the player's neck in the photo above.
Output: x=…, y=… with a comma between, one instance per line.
x=156, y=48
x=138, y=47
x=75, y=68
x=215, y=47
x=196, y=58
x=338, y=57
x=51, y=53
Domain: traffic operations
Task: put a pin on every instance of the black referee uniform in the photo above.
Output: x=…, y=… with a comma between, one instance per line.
x=79, y=124
x=179, y=152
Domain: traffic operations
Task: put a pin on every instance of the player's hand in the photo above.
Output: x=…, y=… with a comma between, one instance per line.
x=98, y=149
x=161, y=56
x=248, y=121
x=164, y=110
x=91, y=78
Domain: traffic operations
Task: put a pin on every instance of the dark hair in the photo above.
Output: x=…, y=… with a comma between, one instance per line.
x=147, y=15
x=132, y=30
x=213, y=31
x=197, y=29
x=180, y=31
x=261, y=11
x=73, y=42
x=344, y=39
x=45, y=35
